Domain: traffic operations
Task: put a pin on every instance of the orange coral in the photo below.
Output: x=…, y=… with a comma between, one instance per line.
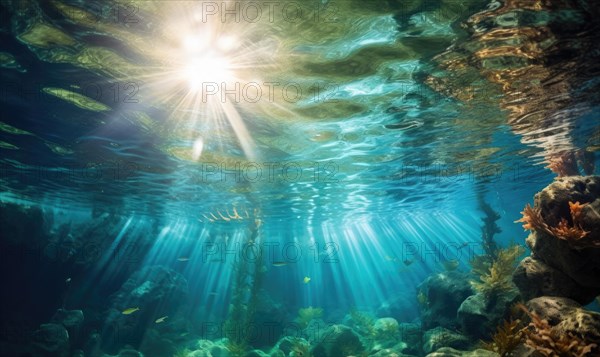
x=532, y=220
x=571, y=233
x=541, y=336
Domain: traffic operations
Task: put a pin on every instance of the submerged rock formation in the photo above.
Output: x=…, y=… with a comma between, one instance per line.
x=156, y=291
x=444, y=293
x=563, y=265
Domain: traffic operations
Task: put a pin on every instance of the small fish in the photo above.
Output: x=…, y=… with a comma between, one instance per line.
x=422, y=298
x=160, y=319
x=306, y=280
x=130, y=311
x=213, y=293
x=68, y=281
x=465, y=244
x=408, y=262
x=390, y=259
x=451, y=265
x=183, y=259
x=279, y=264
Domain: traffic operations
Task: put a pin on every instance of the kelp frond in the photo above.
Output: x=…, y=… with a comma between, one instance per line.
x=497, y=277
x=542, y=337
x=507, y=337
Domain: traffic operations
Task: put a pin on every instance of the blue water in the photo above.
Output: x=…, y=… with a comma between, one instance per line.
x=361, y=173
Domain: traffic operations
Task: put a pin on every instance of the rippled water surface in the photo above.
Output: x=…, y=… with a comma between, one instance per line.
x=162, y=133
x=327, y=110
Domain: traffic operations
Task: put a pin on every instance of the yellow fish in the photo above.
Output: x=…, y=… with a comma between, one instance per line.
x=183, y=259
x=130, y=311
x=161, y=319
x=306, y=280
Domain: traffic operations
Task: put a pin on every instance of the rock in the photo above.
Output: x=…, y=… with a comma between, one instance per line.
x=445, y=292
x=567, y=316
x=535, y=278
x=581, y=265
x=290, y=346
x=412, y=335
x=400, y=307
x=207, y=348
x=51, y=340
x=389, y=352
x=439, y=337
x=552, y=309
x=70, y=319
x=338, y=340
x=256, y=353
x=450, y=352
x=385, y=325
x=23, y=225
x=155, y=344
x=479, y=317
x=156, y=291
x=582, y=323
x=387, y=332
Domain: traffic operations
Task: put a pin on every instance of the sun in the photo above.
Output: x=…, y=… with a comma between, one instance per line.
x=202, y=64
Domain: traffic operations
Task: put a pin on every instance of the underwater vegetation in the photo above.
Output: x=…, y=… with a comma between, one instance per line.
x=543, y=338
x=307, y=314
x=495, y=276
x=508, y=336
x=571, y=232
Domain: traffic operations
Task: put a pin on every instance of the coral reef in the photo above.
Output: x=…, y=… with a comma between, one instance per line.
x=557, y=240
x=573, y=234
x=546, y=340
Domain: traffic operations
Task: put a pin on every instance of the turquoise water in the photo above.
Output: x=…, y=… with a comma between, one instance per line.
x=228, y=164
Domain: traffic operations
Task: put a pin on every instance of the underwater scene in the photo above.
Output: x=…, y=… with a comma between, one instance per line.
x=315, y=178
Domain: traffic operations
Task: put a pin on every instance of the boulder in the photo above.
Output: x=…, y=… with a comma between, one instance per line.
x=412, y=335
x=338, y=340
x=582, y=265
x=291, y=346
x=400, y=307
x=567, y=315
x=439, y=337
x=72, y=320
x=51, y=340
x=479, y=316
x=535, y=278
x=450, y=352
x=444, y=294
